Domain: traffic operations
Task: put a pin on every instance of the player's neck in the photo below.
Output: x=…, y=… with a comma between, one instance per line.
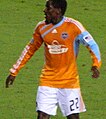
x=56, y=21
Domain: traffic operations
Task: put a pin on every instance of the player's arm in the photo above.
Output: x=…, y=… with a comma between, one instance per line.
x=26, y=54
x=87, y=40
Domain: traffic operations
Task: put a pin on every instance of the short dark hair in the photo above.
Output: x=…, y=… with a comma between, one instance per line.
x=62, y=4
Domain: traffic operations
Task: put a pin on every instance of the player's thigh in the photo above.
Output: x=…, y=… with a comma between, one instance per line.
x=70, y=101
x=46, y=100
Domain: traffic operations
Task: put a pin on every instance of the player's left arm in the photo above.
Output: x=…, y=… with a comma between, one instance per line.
x=87, y=40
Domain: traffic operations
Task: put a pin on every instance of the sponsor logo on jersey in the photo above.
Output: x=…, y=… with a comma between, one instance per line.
x=64, y=35
x=56, y=48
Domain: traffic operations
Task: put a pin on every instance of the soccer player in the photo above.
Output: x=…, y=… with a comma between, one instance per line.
x=59, y=80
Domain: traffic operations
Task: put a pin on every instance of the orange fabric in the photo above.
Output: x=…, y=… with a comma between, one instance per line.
x=94, y=59
x=60, y=68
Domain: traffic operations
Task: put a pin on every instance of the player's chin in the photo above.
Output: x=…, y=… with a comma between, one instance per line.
x=47, y=21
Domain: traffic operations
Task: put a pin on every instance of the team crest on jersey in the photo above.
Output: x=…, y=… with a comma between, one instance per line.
x=64, y=35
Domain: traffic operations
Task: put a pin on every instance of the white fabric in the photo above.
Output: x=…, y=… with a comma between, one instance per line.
x=69, y=100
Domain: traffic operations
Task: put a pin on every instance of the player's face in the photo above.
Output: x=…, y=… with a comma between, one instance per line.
x=52, y=14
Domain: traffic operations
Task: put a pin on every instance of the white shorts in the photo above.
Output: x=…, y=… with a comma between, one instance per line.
x=69, y=100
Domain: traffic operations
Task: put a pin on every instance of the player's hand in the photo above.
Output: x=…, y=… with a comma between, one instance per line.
x=95, y=72
x=9, y=81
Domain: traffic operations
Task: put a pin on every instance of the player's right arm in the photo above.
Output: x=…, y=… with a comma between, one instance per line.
x=26, y=54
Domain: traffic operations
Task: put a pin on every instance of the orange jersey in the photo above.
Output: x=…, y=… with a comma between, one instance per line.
x=61, y=44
